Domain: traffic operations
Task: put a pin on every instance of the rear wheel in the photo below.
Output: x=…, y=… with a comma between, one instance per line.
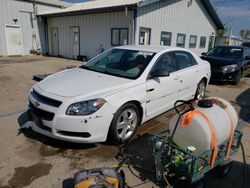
x=201, y=89
x=124, y=123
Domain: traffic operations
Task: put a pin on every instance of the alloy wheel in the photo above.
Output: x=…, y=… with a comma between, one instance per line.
x=201, y=91
x=126, y=124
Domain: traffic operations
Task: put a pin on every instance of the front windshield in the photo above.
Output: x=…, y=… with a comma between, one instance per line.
x=119, y=62
x=227, y=52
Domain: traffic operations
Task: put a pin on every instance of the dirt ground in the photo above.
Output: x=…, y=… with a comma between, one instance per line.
x=28, y=159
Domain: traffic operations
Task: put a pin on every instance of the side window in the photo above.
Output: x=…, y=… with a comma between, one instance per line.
x=184, y=59
x=203, y=42
x=166, y=62
x=248, y=52
x=166, y=38
x=181, y=39
x=192, y=41
x=119, y=36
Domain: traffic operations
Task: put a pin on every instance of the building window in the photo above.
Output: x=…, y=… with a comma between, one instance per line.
x=211, y=42
x=181, y=39
x=203, y=42
x=192, y=41
x=119, y=36
x=166, y=38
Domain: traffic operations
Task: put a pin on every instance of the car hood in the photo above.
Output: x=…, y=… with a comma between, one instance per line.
x=77, y=81
x=221, y=61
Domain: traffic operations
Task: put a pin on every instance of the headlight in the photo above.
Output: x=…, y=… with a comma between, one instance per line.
x=85, y=107
x=229, y=68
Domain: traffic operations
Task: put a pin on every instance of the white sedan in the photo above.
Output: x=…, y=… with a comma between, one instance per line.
x=115, y=92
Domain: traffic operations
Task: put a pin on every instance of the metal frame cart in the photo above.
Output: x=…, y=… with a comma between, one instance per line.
x=170, y=158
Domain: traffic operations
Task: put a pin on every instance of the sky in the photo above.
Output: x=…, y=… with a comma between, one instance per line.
x=233, y=13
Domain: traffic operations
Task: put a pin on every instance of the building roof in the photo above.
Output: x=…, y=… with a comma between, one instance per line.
x=102, y=5
x=90, y=6
x=213, y=14
x=55, y=3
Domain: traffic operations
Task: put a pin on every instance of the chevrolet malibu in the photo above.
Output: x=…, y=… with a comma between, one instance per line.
x=115, y=92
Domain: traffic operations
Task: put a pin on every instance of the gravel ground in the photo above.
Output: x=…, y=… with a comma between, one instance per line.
x=31, y=160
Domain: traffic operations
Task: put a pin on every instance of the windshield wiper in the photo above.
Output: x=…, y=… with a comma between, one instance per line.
x=85, y=67
x=104, y=72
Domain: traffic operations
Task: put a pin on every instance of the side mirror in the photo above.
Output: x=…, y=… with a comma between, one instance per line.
x=203, y=54
x=159, y=73
x=247, y=58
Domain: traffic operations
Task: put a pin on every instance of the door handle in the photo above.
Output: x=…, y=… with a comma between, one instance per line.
x=176, y=78
x=150, y=90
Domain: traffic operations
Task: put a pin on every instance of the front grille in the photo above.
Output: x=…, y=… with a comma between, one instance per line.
x=45, y=100
x=75, y=134
x=48, y=129
x=44, y=115
x=216, y=68
x=38, y=122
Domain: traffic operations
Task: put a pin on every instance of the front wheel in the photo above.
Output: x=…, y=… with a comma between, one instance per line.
x=124, y=123
x=237, y=78
x=201, y=89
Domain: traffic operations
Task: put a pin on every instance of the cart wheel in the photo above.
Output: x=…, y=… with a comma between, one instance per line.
x=199, y=184
x=121, y=179
x=224, y=170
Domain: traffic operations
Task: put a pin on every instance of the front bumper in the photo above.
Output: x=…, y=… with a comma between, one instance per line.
x=79, y=129
x=218, y=75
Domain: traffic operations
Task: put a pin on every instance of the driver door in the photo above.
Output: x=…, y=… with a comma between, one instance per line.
x=162, y=92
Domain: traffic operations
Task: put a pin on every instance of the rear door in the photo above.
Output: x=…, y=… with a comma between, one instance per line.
x=162, y=92
x=188, y=73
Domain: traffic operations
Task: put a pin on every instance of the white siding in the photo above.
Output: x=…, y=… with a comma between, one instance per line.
x=11, y=9
x=175, y=16
x=95, y=29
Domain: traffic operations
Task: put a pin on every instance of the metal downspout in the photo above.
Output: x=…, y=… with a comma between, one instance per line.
x=132, y=25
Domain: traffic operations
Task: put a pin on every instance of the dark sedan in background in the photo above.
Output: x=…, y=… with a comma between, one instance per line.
x=228, y=63
x=247, y=44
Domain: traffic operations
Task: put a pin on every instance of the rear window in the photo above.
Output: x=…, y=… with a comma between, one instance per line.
x=184, y=59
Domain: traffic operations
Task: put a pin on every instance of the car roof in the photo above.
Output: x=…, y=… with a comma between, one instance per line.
x=149, y=48
x=242, y=47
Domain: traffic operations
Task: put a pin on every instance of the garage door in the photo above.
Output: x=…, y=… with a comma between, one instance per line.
x=14, y=40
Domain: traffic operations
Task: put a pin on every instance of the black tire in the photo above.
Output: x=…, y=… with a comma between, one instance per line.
x=113, y=135
x=199, y=184
x=237, y=78
x=224, y=170
x=202, y=83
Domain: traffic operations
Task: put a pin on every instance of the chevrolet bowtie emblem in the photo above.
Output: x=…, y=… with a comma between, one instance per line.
x=36, y=104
